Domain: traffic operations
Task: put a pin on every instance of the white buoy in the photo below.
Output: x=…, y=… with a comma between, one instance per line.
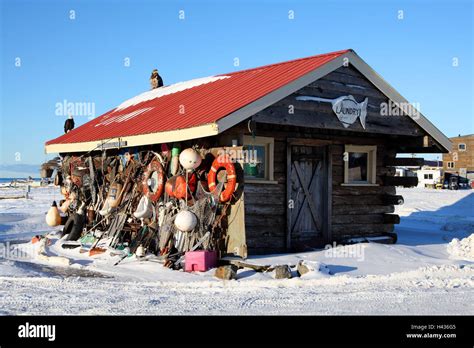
x=52, y=217
x=140, y=252
x=144, y=208
x=190, y=159
x=185, y=221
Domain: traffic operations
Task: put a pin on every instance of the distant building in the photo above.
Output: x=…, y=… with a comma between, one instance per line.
x=425, y=172
x=433, y=163
x=429, y=172
x=429, y=176
x=405, y=171
x=461, y=158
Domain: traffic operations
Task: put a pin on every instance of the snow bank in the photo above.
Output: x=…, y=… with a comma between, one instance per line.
x=162, y=91
x=315, y=270
x=463, y=249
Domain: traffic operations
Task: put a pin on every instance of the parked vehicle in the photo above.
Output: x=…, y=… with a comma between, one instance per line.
x=455, y=182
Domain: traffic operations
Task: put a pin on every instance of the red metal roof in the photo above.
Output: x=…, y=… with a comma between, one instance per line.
x=203, y=104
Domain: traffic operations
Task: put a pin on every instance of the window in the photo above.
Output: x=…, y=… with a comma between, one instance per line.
x=450, y=165
x=360, y=164
x=258, y=159
x=462, y=147
x=428, y=176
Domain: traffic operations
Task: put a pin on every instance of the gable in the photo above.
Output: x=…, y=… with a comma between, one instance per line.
x=311, y=106
x=436, y=142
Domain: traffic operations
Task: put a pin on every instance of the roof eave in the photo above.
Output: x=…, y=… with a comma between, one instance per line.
x=201, y=131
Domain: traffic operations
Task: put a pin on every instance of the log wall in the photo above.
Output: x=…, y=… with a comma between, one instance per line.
x=265, y=204
x=361, y=210
x=353, y=211
x=356, y=210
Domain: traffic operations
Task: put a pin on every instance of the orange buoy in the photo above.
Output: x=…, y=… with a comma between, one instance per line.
x=176, y=186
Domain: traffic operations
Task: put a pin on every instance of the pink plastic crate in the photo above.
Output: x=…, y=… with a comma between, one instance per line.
x=200, y=261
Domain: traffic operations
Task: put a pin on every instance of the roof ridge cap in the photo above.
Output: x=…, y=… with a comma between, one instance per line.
x=289, y=61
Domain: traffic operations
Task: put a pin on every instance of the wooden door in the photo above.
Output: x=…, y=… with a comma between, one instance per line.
x=306, y=196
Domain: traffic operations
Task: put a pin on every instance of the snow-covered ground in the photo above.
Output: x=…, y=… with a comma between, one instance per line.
x=429, y=271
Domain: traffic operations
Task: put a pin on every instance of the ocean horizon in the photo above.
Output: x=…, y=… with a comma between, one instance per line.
x=3, y=180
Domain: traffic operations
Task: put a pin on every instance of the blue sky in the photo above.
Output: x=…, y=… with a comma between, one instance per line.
x=82, y=59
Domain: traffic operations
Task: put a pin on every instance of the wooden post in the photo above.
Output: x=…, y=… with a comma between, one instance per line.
x=288, y=195
x=328, y=191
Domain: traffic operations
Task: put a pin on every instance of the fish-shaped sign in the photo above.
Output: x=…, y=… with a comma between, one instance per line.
x=346, y=108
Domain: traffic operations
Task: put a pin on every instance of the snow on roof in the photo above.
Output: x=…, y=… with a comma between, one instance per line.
x=165, y=90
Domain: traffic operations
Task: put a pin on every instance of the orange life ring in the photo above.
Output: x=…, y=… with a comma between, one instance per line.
x=154, y=167
x=225, y=162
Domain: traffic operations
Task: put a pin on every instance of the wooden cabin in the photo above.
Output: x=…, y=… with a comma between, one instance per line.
x=322, y=134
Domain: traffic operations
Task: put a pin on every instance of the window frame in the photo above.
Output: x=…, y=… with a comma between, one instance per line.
x=371, y=151
x=452, y=166
x=459, y=147
x=269, y=145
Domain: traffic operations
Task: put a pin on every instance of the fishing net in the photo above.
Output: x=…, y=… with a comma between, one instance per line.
x=205, y=209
